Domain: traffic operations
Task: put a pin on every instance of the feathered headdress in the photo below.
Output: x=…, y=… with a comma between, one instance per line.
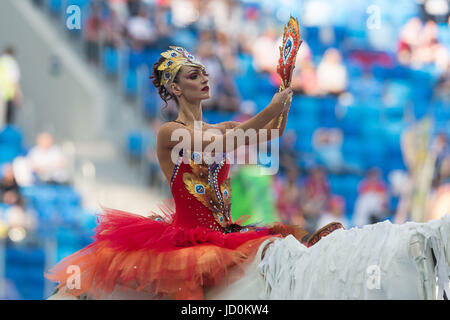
x=175, y=59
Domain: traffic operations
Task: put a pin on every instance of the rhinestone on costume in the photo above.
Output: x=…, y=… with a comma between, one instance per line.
x=199, y=188
x=197, y=157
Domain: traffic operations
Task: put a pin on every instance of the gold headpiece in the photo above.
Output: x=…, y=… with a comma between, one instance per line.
x=175, y=59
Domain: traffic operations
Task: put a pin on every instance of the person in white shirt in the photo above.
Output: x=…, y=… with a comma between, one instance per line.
x=331, y=73
x=47, y=161
x=335, y=213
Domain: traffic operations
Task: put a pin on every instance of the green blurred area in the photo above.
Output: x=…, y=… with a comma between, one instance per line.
x=252, y=195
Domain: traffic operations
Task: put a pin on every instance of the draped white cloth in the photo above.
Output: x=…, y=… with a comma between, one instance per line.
x=379, y=261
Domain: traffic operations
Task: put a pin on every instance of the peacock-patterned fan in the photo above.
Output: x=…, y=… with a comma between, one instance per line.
x=288, y=53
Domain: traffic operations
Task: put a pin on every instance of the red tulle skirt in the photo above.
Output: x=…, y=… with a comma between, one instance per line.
x=137, y=252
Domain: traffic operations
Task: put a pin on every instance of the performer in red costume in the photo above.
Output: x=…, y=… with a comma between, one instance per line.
x=179, y=254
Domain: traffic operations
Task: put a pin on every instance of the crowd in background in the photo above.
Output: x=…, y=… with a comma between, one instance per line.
x=336, y=163
x=241, y=39
x=43, y=163
x=41, y=213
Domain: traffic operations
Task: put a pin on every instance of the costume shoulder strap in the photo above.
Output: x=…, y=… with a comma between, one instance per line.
x=180, y=122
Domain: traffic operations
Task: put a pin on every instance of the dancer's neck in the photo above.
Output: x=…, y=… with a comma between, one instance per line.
x=189, y=113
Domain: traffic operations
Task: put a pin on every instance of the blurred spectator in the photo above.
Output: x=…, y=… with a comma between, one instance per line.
x=401, y=187
x=331, y=73
x=247, y=110
x=430, y=51
x=113, y=30
x=224, y=95
x=142, y=33
x=92, y=34
x=10, y=92
x=9, y=189
x=439, y=200
x=442, y=89
x=226, y=51
x=265, y=51
x=409, y=40
x=134, y=6
x=440, y=148
x=327, y=144
x=304, y=76
x=15, y=215
x=419, y=45
x=289, y=154
x=305, y=80
x=438, y=10
x=373, y=183
x=335, y=212
x=372, y=201
x=288, y=202
x=47, y=161
x=315, y=196
x=163, y=27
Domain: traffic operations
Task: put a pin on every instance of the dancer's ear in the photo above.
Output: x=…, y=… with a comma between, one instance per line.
x=175, y=89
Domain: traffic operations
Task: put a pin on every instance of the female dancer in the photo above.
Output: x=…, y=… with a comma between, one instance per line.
x=198, y=252
x=180, y=253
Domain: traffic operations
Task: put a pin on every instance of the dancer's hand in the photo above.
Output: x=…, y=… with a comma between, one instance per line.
x=283, y=98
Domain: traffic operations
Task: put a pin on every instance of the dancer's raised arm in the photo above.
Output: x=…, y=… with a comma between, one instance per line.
x=254, y=130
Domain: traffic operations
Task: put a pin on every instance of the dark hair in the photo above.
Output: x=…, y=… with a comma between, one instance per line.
x=10, y=51
x=156, y=76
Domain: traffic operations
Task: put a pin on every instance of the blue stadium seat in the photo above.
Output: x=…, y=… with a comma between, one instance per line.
x=135, y=145
x=150, y=100
x=55, y=6
x=394, y=113
x=262, y=100
x=111, y=61
x=151, y=56
x=264, y=85
x=306, y=105
x=11, y=135
x=245, y=63
x=130, y=82
x=351, y=150
x=444, y=34
x=135, y=59
x=246, y=87
x=8, y=153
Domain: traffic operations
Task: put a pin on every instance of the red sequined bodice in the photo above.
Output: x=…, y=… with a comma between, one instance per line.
x=201, y=192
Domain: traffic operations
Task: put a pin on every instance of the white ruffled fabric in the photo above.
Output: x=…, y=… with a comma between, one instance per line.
x=341, y=265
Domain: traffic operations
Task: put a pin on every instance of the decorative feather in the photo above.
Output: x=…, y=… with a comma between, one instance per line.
x=199, y=188
x=225, y=189
x=201, y=184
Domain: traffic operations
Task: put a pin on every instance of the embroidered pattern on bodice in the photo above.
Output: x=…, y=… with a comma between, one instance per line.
x=201, y=191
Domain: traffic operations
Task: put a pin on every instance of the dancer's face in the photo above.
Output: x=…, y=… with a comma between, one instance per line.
x=192, y=85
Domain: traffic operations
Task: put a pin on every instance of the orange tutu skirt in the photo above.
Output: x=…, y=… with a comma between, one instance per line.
x=143, y=254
